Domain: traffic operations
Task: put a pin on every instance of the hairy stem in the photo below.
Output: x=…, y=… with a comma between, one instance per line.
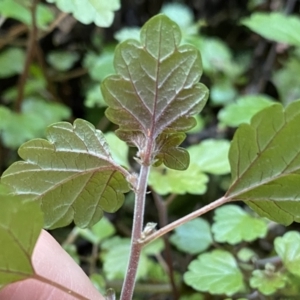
x=136, y=247
x=185, y=219
x=59, y=286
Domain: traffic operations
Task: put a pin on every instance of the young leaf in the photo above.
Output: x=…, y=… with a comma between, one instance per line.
x=126, y=33
x=18, y=236
x=11, y=61
x=116, y=259
x=14, y=9
x=288, y=248
x=216, y=272
x=119, y=149
x=223, y=92
x=179, y=13
x=287, y=84
x=233, y=225
x=275, y=26
x=35, y=117
x=62, y=60
x=218, y=58
x=98, y=232
x=265, y=163
x=165, y=181
x=156, y=92
x=99, y=66
x=72, y=175
x=211, y=156
x=267, y=281
x=243, y=110
x=192, y=237
x=245, y=254
x=101, y=12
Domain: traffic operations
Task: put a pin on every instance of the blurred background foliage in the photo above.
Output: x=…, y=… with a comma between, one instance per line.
x=54, y=54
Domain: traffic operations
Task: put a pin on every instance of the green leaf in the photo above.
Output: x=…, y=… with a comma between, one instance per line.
x=245, y=254
x=283, y=212
x=268, y=281
x=15, y=10
x=126, y=33
x=216, y=272
x=18, y=236
x=100, y=66
x=101, y=12
x=62, y=60
x=98, y=232
x=11, y=62
x=179, y=13
x=18, y=127
x=233, y=225
x=48, y=112
x=288, y=248
x=72, y=175
x=72, y=251
x=199, y=126
x=217, y=58
x=116, y=259
x=35, y=86
x=222, y=92
x=154, y=247
x=4, y=190
x=192, y=237
x=275, y=26
x=265, y=163
x=211, y=156
x=157, y=273
x=287, y=84
x=157, y=89
x=98, y=282
x=165, y=181
x=169, y=153
x=94, y=97
x=197, y=296
x=119, y=149
x=243, y=109
x=36, y=115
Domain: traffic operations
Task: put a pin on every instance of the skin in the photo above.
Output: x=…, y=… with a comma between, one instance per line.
x=51, y=261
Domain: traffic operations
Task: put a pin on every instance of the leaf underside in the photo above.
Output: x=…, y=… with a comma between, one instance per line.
x=72, y=175
x=265, y=163
x=156, y=91
x=18, y=236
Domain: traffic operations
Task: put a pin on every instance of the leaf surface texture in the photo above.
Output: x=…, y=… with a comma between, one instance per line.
x=265, y=163
x=72, y=175
x=18, y=236
x=156, y=91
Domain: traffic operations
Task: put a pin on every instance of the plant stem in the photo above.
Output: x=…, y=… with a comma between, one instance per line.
x=161, y=207
x=137, y=227
x=59, y=286
x=29, y=54
x=185, y=219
